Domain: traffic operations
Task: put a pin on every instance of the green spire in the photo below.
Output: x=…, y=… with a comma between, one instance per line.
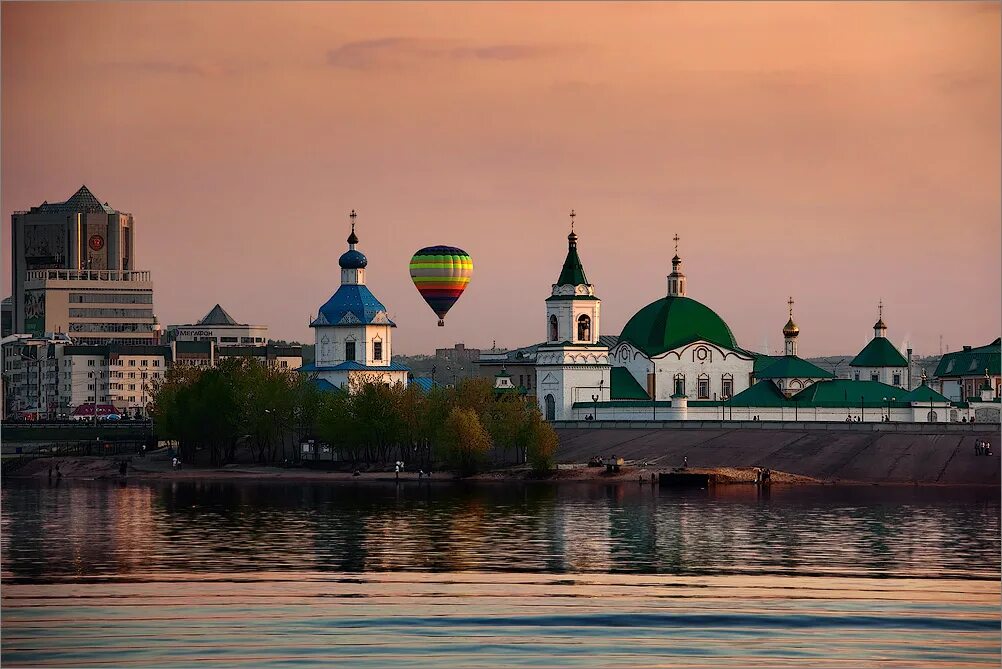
x=572, y=272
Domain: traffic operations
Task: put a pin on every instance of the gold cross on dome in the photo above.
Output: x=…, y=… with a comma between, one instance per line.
x=880, y=310
x=352, y=216
x=572, y=220
x=790, y=302
x=676, y=243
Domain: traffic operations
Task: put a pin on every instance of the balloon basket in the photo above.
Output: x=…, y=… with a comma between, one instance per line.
x=441, y=323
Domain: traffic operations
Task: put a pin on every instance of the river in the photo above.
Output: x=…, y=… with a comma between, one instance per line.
x=241, y=573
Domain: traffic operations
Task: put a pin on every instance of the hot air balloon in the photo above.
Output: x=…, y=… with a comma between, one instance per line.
x=441, y=273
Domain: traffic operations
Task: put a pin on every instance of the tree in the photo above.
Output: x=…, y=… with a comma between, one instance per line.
x=541, y=442
x=466, y=443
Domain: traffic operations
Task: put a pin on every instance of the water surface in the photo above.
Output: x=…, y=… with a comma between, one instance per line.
x=300, y=573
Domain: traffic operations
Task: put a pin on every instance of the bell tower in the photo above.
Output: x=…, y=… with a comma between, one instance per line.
x=572, y=310
x=790, y=332
x=676, y=280
x=571, y=365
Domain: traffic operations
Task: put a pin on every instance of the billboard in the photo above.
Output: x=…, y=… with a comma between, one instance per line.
x=34, y=312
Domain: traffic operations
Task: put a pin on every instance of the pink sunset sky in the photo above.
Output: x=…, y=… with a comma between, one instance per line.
x=841, y=153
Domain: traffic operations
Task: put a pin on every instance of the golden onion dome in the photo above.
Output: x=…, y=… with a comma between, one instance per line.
x=790, y=329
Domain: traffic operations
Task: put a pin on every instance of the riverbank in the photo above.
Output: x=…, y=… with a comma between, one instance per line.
x=98, y=468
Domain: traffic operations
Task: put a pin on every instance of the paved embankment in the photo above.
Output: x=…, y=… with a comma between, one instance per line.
x=878, y=453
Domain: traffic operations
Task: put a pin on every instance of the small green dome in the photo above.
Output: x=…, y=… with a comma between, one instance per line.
x=675, y=321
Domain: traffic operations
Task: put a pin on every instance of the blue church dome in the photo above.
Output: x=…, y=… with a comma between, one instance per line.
x=353, y=299
x=353, y=259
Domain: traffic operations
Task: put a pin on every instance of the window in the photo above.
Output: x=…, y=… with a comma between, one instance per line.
x=285, y=364
x=680, y=384
x=228, y=340
x=90, y=375
x=377, y=350
x=110, y=313
x=132, y=363
x=132, y=386
x=874, y=376
x=726, y=386
x=554, y=331
x=349, y=350
x=90, y=386
x=111, y=298
x=897, y=380
x=156, y=363
x=551, y=407
x=132, y=375
x=584, y=328
x=90, y=363
x=703, y=387
x=144, y=375
x=145, y=363
x=855, y=376
x=250, y=340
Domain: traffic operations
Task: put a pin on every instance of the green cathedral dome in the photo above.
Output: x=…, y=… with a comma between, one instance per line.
x=675, y=321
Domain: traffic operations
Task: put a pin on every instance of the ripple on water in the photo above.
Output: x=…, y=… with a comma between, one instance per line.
x=224, y=574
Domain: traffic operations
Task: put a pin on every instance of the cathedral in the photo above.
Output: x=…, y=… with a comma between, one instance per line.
x=677, y=359
x=353, y=335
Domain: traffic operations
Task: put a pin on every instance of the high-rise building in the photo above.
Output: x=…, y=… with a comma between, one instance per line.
x=73, y=266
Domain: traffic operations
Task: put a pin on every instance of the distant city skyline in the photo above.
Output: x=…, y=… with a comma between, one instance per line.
x=839, y=153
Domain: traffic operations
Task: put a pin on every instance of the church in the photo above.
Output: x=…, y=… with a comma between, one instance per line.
x=677, y=359
x=353, y=335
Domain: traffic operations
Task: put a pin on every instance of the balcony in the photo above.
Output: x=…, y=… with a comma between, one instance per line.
x=43, y=275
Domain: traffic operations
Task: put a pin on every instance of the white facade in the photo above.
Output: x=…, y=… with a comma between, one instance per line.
x=700, y=370
x=353, y=334
x=572, y=366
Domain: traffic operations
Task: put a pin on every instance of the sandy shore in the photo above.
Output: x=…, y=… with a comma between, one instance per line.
x=152, y=468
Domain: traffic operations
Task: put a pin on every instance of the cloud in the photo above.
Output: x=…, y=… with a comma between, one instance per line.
x=397, y=52
x=183, y=68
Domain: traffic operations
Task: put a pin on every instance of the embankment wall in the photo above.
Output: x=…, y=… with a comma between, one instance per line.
x=866, y=452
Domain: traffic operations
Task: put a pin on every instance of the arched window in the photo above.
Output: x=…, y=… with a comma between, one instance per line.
x=554, y=333
x=680, y=384
x=703, y=386
x=932, y=417
x=726, y=386
x=551, y=407
x=584, y=328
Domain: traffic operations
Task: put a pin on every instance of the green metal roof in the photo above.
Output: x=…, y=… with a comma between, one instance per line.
x=972, y=362
x=573, y=271
x=880, y=352
x=624, y=387
x=762, y=361
x=762, y=394
x=675, y=321
x=847, y=393
x=924, y=394
x=792, y=367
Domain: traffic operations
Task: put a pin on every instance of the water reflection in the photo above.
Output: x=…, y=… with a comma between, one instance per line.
x=211, y=526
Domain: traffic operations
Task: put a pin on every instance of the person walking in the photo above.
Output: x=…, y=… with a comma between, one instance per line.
x=685, y=462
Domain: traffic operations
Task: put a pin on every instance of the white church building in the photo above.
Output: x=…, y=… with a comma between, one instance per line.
x=676, y=359
x=352, y=333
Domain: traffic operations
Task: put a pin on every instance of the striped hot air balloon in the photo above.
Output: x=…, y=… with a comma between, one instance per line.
x=441, y=274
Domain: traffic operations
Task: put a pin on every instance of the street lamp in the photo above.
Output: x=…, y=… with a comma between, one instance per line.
x=594, y=411
x=862, y=415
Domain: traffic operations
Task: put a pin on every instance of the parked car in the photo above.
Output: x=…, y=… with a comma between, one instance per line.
x=111, y=417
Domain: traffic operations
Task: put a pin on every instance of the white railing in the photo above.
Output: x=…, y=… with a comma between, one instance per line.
x=87, y=275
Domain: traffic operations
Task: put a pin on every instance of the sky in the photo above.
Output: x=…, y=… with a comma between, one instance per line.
x=841, y=153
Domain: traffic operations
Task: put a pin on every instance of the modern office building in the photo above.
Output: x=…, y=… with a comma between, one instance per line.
x=219, y=327
x=74, y=271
